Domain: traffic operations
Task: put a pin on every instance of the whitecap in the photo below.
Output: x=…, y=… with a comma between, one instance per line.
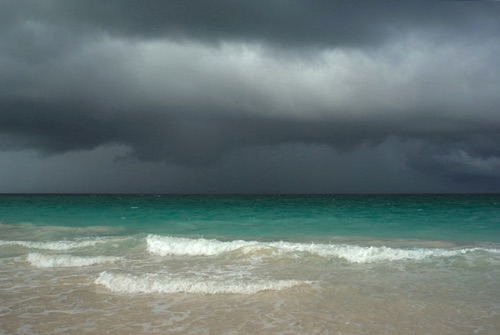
x=167, y=245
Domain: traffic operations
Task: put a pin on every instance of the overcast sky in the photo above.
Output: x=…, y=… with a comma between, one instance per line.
x=270, y=96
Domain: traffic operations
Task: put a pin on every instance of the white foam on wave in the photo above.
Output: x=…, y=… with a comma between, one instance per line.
x=356, y=254
x=55, y=245
x=59, y=245
x=371, y=254
x=152, y=283
x=51, y=261
x=167, y=245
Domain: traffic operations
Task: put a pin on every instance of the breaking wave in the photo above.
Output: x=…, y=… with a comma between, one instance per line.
x=152, y=283
x=167, y=245
x=50, y=261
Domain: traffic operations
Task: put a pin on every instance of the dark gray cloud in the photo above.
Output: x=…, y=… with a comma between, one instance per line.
x=300, y=22
x=236, y=96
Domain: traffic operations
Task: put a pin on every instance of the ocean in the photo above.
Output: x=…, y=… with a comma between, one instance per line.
x=250, y=264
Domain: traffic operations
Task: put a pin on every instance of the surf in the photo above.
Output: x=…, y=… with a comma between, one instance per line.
x=51, y=261
x=179, y=246
x=156, y=283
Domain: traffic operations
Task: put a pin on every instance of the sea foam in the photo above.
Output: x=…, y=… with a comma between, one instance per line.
x=50, y=261
x=153, y=283
x=167, y=245
x=59, y=245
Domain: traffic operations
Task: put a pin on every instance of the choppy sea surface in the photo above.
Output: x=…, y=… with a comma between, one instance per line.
x=237, y=264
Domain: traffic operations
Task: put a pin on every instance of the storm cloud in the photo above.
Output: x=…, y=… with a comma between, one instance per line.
x=249, y=96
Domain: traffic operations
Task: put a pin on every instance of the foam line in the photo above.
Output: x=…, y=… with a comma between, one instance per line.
x=59, y=245
x=149, y=283
x=50, y=261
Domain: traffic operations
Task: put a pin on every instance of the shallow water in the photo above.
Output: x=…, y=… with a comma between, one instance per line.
x=250, y=264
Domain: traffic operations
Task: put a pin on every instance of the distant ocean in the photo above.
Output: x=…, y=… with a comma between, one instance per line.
x=237, y=264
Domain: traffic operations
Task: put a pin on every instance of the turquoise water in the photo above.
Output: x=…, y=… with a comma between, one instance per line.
x=314, y=217
x=237, y=264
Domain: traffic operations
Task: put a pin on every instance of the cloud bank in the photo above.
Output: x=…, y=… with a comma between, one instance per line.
x=238, y=96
